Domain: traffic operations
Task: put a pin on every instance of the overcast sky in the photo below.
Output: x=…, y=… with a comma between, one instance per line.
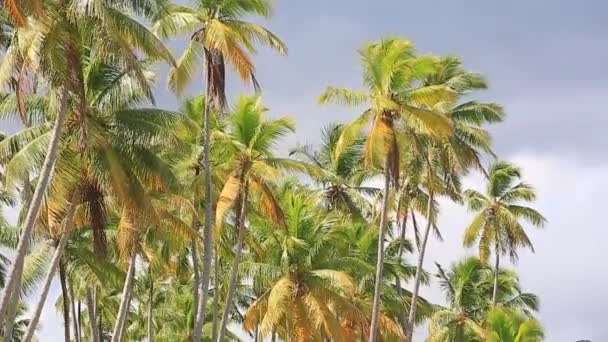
x=546, y=63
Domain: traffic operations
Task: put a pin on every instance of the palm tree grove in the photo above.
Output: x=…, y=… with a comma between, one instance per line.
x=206, y=217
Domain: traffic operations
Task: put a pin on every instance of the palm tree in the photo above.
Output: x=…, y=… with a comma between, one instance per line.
x=56, y=42
x=249, y=141
x=498, y=220
x=390, y=71
x=218, y=34
x=340, y=176
x=468, y=289
x=447, y=158
x=502, y=325
x=304, y=294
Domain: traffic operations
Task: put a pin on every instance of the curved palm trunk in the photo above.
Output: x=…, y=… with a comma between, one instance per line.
x=373, y=332
x=66, y=302
x=14, y=277
x=208, y=228
x=51, y=273
x=235, y=266
x=125, y=300
x=92, y=310
x=414, y=301
x=496, y=267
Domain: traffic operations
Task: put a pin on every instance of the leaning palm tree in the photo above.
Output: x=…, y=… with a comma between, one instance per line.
x=218, y=34
x=498, y=223
x=251, y=168
x=392, y=98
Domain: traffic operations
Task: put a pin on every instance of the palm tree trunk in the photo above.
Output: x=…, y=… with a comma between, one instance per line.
x=256, y=338
x=125, y=300
x=496, y=268
x=403, y=318
x=12, y=313
x=100, y=326
x=216, y=296
x=79, y=320
x=14, y=277
x=414, y=301
x=66, y=302
x=208, y=229
x=373, y=333
x=195, y=269
x=92, y=309
x=74, y=316
x=47, y=281
x=237, y=260
x=150, y=308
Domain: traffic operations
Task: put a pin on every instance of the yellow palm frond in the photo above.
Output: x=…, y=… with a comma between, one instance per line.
x=278, y=299
x=221, y=37
x=226, y=199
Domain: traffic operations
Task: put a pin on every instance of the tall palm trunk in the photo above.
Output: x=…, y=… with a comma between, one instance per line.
x=150, y=307
x=195, y=269
x=12, y=313
x=403, y=318
x=66, y=302
x=125, y=300
x=67, y=228
x=208, y=228
x=216, y=296
x=237, y=260
x=74, y=315
x=414, y=301
x=79, y=320
x=92, y=310
x=11, y=290
x=496, y=268
x=373, y=332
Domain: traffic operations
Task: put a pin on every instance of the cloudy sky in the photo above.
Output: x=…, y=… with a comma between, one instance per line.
x=546, y=63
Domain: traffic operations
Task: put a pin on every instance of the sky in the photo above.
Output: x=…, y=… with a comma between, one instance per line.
x=546, y=64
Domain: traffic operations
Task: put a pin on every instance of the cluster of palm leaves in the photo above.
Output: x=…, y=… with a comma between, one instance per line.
x=189, y=225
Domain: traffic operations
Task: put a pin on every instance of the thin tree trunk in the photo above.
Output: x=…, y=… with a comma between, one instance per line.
x=414, y=301
x=197, y=334
x=92, y=310
x=79, y=320
x=150, y=308
x=256, y=338
x=196, y=270
x=66, y=302
x=403, y=318
x=237, y=260
x=14, y=276
x=216, y=296
x=12, y=313
x=100, y=326
x=74, y=316
x=125, y=300
x=496, y=268
x=373, y=332
x=55, y=261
